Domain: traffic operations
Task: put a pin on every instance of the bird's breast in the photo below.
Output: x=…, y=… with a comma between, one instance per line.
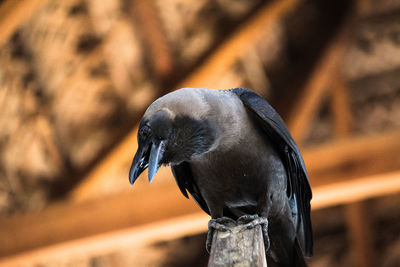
x=237, y=176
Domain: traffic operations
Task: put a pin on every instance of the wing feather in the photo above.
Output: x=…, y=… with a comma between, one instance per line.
x=276, y=130
x=184, y=178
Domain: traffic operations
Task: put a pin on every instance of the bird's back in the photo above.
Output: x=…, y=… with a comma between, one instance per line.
x=244, y=164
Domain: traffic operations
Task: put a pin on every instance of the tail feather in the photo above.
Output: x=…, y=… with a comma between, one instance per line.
x=299, y=260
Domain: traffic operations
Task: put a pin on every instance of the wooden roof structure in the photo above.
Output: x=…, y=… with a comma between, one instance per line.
x=100, y=212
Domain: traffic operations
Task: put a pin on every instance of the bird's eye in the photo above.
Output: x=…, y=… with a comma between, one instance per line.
x=145, y=131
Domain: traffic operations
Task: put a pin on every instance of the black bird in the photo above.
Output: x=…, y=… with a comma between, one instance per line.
x=233, y=153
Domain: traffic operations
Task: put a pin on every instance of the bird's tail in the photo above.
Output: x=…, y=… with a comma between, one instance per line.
x=299, y=260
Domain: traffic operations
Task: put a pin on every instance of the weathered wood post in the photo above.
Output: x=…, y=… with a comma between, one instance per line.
x=237, y=244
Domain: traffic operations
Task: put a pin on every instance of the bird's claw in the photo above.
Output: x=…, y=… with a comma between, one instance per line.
x=249, y=221
x=220, y=224
x=267, y=242
x=210, y=235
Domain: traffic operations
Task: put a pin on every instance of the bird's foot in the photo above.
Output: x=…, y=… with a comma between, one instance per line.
x=249, y=221
x=220, y=224
x=267, y=242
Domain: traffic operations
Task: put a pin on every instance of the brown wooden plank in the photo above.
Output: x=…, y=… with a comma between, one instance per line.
x=352, y=157
x=107, y=242
x=355, y=189
x=66, y=221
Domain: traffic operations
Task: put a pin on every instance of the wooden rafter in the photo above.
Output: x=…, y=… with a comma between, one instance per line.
x=361, y=233
x=244, y=38
x=126, y=217
x=65, y=221
x=310, y=99
x=358, y=220
x=154, y=37
x=341, y=107
x=104, y=243
x=355, y=189
x=352, y=157
x=342, y=172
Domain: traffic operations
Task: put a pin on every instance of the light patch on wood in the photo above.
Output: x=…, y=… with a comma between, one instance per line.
x=238, y=247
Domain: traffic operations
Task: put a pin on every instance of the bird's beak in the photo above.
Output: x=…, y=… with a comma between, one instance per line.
x=140, y=162
x=157, y=151
x=148, y=155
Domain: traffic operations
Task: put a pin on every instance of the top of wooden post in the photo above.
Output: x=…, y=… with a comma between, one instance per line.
x=238, y=246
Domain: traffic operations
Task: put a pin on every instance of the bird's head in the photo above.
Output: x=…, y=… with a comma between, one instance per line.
x=165, y=137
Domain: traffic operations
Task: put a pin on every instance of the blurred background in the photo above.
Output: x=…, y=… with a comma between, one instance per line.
x=77, y=75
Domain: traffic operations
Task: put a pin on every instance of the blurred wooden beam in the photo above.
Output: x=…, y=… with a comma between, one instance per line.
x=341, y=107
x=370, y=155
x=102, y=174
x=154, y=37
x=212, y=69
x=66, y=221
x=13, y=13
x=306, y=107
x=219, y=62
x=355, y=189
x=361, y=234
x=358, y=220
x=90, y=225
x=352, y=157
x=103, y=243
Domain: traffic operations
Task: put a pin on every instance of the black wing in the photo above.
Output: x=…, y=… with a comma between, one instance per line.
x=276, y=130
x=184, y=178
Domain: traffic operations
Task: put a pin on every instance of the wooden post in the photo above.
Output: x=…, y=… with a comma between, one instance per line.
x=238, y=245
x=361, y=234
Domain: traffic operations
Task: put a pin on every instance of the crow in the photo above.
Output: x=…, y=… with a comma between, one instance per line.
x=233, y=153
